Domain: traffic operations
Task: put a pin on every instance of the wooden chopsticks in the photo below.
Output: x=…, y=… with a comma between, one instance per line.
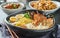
x=13, y=34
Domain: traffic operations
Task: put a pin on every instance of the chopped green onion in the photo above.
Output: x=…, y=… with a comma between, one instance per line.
x=27, y=15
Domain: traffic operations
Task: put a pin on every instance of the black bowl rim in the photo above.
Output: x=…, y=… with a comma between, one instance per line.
x=44, y=30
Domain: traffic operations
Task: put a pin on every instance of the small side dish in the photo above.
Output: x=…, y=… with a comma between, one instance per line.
x=31, y=20
x=44, y=5
x=47, y=6
x=12, y=6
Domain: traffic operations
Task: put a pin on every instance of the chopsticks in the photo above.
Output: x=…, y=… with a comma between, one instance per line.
x=13, y=34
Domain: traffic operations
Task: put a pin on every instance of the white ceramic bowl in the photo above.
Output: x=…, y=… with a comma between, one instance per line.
x=47, y=11
x=9, y=11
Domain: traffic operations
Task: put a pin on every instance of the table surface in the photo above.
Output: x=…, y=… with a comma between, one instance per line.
x=2, y=16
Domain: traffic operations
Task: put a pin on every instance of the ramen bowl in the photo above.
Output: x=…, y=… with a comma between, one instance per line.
x=29, y=32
